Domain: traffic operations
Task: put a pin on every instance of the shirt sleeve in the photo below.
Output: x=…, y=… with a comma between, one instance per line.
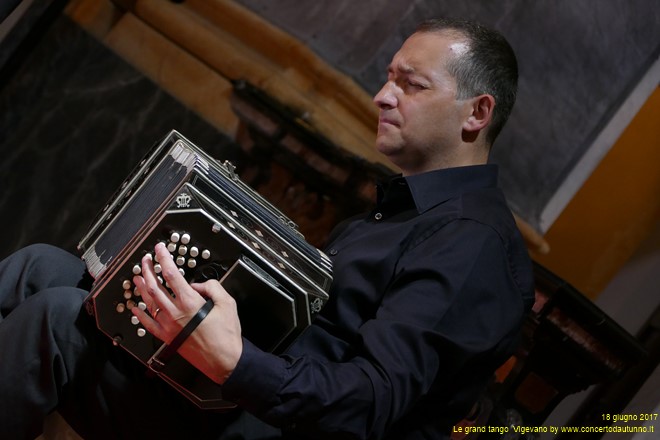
x=447, y=314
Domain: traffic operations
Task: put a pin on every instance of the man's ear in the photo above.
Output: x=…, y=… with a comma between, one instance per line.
x=482, y=112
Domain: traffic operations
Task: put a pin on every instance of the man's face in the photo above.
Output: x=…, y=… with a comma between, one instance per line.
x=420, y=121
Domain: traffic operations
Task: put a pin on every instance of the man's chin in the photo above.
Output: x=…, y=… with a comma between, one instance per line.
x=387, y=148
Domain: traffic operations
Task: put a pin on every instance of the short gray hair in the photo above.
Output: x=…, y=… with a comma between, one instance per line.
x=488, y=66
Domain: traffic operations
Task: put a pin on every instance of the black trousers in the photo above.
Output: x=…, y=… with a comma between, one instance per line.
x=52, y=357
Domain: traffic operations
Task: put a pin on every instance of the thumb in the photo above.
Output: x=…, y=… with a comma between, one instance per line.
x=212, y=289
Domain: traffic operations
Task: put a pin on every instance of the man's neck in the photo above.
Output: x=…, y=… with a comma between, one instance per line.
x=460, y=159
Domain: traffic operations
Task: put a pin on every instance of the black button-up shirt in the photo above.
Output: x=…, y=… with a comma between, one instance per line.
x=428, y=296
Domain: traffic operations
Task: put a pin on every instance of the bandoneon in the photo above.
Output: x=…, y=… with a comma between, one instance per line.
x=215, y=227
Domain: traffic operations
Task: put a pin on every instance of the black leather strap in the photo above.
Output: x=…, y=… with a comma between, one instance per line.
x=160, y=358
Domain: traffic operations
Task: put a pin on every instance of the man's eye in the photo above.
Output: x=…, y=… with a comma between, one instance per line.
x=416, y=85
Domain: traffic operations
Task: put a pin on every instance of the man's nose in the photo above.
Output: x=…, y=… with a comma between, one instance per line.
x=386, y=97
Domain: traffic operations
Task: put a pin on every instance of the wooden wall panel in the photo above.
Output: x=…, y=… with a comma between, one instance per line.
x=185, y=77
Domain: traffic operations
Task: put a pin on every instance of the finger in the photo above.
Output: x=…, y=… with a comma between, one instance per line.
x=218, y=294
x=149, y=323
x=151, y=286
x=143, y=291
x=212, y=289
x=171, y=275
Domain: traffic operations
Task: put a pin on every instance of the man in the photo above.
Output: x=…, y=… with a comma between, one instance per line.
x=428, y=296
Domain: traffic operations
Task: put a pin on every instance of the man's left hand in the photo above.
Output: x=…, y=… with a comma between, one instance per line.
x=216, y=345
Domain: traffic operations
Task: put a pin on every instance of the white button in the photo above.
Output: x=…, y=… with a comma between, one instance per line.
x=141, y=332
x=171, y=247
x=137, y=269
x=128, y=294
x=206, y=254
x=142, y=305
x=126, y=285
x=120, y=308
x=158, y=268
x=185, y=238
x=378, y=216
x=194, y=251
x=192, y=263
x=174, y=237
x=135, y=320
x=183, y=250
x=182, y=272
x=180, y=261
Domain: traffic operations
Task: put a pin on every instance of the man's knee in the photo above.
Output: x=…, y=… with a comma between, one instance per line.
x=60, y=304
x=50, y=266
x=47, y=254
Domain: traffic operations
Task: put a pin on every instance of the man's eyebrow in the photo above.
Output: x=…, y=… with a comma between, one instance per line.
x=400, y=67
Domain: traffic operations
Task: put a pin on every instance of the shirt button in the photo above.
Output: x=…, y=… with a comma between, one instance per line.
x=378, y=216
x=332, y=252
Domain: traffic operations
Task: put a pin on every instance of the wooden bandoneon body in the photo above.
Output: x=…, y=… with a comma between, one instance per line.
x=215, y=227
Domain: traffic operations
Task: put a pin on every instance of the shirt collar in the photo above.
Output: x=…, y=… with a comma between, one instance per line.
x=434, y=187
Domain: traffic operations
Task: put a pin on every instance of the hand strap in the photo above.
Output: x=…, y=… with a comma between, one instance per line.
x=160, y=358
